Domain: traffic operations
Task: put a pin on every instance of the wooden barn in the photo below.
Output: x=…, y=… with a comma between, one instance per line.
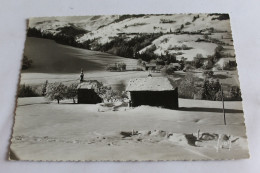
x=150, y=66
x=87, y=92
x=153, y=91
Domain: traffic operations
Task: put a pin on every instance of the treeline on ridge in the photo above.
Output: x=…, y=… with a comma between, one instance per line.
x=67, y=35
x=118, y=46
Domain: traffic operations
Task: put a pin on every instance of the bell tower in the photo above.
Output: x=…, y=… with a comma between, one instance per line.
x=81, y=76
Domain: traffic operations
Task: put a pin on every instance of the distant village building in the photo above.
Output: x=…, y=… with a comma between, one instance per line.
x=87, y=92
x=177, y=66
x=150, y=66
x=153, y=91
x=231, y=62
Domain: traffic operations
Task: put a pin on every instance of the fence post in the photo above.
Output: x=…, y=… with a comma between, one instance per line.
x=222, y=95
x=218, y=142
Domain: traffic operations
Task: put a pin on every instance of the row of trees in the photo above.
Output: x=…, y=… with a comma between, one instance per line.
x=192, y=87
x=53, y=91
x=58, y=91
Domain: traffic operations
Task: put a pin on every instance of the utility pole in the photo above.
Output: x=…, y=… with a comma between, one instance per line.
x=222, y=95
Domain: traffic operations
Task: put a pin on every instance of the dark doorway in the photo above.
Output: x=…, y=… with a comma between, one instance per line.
x=166, y=99
x=88, y=96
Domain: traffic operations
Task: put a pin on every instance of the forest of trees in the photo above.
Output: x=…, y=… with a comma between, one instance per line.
x=67, y=35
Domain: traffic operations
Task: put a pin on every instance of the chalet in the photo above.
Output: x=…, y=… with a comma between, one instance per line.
x=153, y=91
x=87, y=92
x=177, y=66
x=150, y=66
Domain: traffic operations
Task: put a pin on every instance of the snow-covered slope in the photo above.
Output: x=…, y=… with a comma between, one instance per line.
x=176, y=30
x=89, y=23
x=168, y=43
x=156, y=24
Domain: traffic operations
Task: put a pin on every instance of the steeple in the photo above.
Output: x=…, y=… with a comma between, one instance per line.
x=81, y=76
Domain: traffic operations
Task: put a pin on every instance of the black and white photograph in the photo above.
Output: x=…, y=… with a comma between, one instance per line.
x=133, y=87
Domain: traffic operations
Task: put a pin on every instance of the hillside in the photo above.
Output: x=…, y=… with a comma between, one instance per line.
x=201, y=33
x=156, y=24
x=60, y=63
x=200, y=44
x=51, y=25
x=53, y=58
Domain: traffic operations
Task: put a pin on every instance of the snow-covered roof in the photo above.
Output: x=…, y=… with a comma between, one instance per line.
x=150, y=65
x=175, y=64
x=91, y=84
x=150, y=84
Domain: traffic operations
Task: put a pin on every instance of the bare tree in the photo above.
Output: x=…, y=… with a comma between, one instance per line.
x=56, y=91
x=71, y=92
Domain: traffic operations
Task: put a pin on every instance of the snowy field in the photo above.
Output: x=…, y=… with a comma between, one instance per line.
x=203, y=48
x=82, y=132
x=45, y=130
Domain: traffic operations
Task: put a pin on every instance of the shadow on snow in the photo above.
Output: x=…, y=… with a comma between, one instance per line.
x=200, y=109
